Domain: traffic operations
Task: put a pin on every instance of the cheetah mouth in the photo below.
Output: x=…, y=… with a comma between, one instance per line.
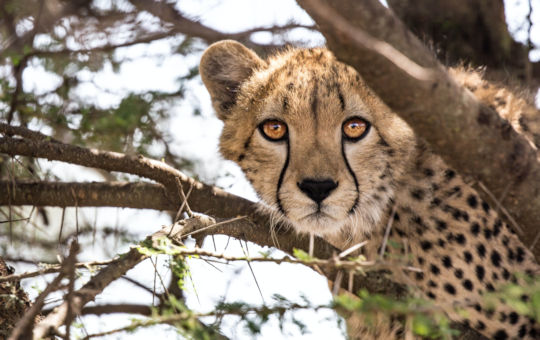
x=316, y=216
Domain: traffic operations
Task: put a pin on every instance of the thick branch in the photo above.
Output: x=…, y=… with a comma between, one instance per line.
x=469, y=136
x=95, y=194
x=141, y=166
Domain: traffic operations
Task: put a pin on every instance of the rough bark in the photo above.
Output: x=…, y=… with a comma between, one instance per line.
x=469, y=136
x=469, y=31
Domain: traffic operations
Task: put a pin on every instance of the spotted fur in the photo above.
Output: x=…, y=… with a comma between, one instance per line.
x=441, y=225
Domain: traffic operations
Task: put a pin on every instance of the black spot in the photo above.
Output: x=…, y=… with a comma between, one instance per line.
x=480, y=272
x=460, y=238
x=497, y=227
x=533, y=333
x=417, y=219
x=417, y=194
x=468, y=256
x=450, y=288
x=241, y=157
x=496, y=258
x=485, y=206
x=472, y=201
x=481, y=250
x=434, y=269
x=522, y=331
x=520, y=254
x=477, y=307
x=506, y=274
x=510, y=254
x=426, y=245
x=494, y=276
x=467, y=284
x=487, y=233
x=465, y=216
x=450, y=237
x=432, y=284
x=435, y=202
x=500, y=335
x=458, y=273
x=441, y=225
x=419, y=276
x=396, y=216
x=431, y=295
x=475, y=228
x=341, y=100
x=441, y=243
x=447, y=261
x=428, y=172
x=480, y=325
x=449, y=174
x=502, y=317
x=381, y=188
x=490, y=287
x=513, y=317
x=420, y=260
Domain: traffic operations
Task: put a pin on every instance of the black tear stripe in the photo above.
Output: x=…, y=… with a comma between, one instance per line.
x=280, y=181
x=356, y=200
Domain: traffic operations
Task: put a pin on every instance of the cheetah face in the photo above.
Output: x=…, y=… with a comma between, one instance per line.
x=309, y=135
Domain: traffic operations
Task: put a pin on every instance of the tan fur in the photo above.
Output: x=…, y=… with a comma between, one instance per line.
x=439, y=219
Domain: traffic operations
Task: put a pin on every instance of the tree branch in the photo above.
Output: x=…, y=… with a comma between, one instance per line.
x=464, y=132
x=95, y=194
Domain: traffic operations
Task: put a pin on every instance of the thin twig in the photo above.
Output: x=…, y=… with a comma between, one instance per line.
x=387, y=231
x=501, y=208
x=51, y=269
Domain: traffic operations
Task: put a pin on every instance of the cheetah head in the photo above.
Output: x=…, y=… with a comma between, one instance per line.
x=320, y=149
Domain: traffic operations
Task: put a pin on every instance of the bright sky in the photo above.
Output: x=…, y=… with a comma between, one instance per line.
x=196, y=138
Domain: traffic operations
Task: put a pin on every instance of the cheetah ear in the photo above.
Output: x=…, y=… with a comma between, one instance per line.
x=224, y=66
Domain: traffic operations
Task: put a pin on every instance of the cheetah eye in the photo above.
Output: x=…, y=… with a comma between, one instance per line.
x=273, y=130
x=355, y=128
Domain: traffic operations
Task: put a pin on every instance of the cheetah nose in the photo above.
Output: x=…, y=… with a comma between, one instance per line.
x=317, y=190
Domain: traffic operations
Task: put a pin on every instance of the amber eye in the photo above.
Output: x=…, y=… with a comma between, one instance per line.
x=355, y=128
x=273, y=130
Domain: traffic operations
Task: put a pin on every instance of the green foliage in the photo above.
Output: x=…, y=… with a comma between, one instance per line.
x=524, y=297
x=426, y=319
x=302, y=255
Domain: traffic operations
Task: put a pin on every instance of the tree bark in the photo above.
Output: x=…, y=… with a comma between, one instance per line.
x=467, y=31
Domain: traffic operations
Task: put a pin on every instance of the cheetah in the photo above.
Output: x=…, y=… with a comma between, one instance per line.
x=329, y=158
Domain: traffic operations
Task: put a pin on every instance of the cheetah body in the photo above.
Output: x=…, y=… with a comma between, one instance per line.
x=387, y=181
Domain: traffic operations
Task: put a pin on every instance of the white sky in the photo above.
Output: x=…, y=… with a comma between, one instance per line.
x=196, y=138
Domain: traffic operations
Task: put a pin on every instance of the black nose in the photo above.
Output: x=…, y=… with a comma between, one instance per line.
x=317, y=190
